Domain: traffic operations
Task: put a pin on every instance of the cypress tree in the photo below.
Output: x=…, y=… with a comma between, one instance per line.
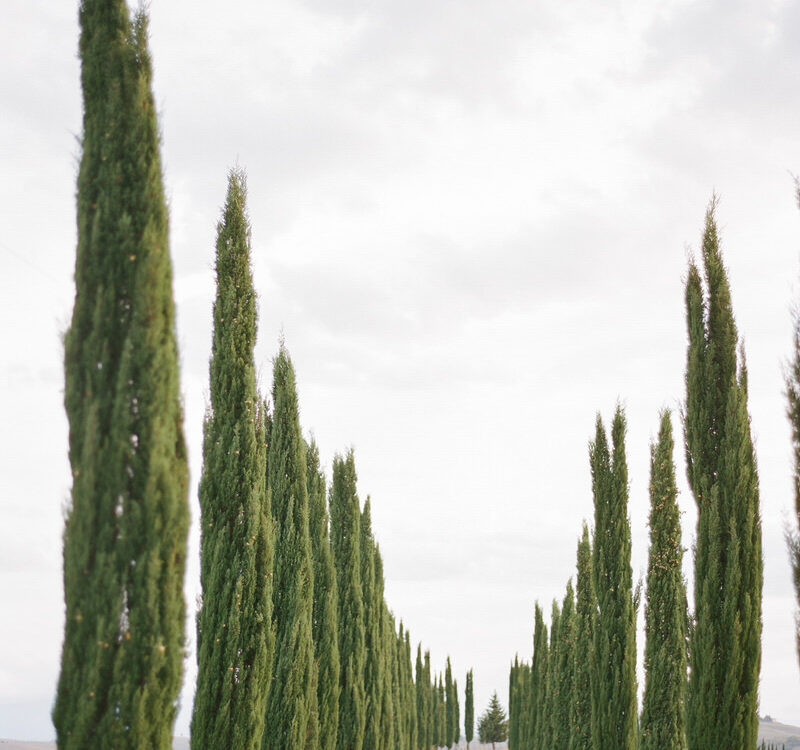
x=614, y=712
x=411, y=696
x=522, y=701
x=438, y=712
x=396, y=650
x=422, y=720
x=126, y=526
x=469, y=709
x=564, y=672
x=725, y=638
x=429, y=690
x=386, y=655
x=585, y=606
x=373, y=674
x=449, y=718
x=793, y=412
x=234, y=623
x=346, y=547
x=326, y=641
x=513, y=704
x=456, y=715
x=551, y=697
x=292, y=718
x=663, y=712
x=538, y=687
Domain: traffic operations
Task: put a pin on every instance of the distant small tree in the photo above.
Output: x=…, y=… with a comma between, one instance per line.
x=493, y=724
x=469, y=709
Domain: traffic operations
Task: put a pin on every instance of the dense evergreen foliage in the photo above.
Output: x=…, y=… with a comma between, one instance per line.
x=614, y=715
x=346, y=546
x=292, y=717
x=725, y=648
x=585, y=608
x=537, y=729
x=469, y=709
x=373, y=666
x=493, y=725
x=663, y=724
x=234, y=623
x=563, y=666
x=324, y=622
x=126, y=525
x=450, y=716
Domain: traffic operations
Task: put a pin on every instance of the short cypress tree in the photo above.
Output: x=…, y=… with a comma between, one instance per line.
x=522, y=702
x=456, y=715
x=125, y=533
x=551, y=696
x=469, y=709
x=537, y=732
x=373, y=664
x=725, y=639
x=421, y=689
x=663, y=712
x=438, y=712
x=614, y=715
x=292, y=718
x=386, y=655
x=411, y=696
x=346, y=547
x=326, y=637
x=234, y=623
x=449, y=717
x=564, y=673
x=513, y=704
x=585, y=613
x=429, y=689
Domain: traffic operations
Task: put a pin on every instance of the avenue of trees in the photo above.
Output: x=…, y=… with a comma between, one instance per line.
x=701, y=667
x=297, y=648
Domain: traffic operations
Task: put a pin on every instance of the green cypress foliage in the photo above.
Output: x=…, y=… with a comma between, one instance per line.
x=438, y=712
x=585, y=606
x=469, y=709
x=326, y=639
x=234, y=623
x=429, y=690
x=346, y=547
x=522, y=701
x=614, y=712
x=551, y=683
x=564, y=668
x=456, y=715
x=292, y=719
x=449, y=718
x=725, y=639
x=373, y=674
x=420, y=687
x=410, y=696
x=514, y=705
x=386, y=656
x=537, y=721
x=396, y=650
x=663, y=712
x=126, y=527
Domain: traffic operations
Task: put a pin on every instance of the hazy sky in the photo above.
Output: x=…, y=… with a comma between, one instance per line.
x=471, y=221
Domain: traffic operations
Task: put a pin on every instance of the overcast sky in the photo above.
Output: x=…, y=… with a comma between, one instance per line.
x=471, y=221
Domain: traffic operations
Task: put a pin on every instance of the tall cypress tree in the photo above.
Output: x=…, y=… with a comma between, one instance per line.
x=585, y=606
x=614, y=712
x=793, y=412
x=326, y=639
x=449, y=718
x=292, y=718
x=386, y=655
x=429, y=689
x=346, y=547
x=411, y=696
x=373, y=674
x=551, y=697
x=125, y=533
x=420, y=686
x=663, y=724
x=234, y=623
x=537, y=716
x=524, y=735
x=725, y=647
x=438, y=712
x=456, y=715
x=469, y=709
x=564, y=672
